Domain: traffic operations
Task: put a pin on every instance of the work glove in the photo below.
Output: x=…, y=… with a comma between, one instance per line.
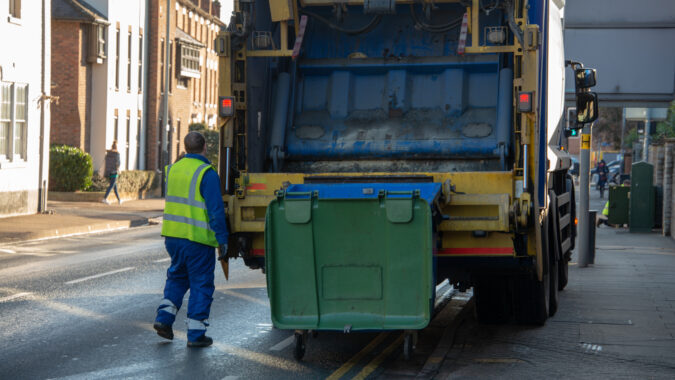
x=222, y=252
x=224, y=263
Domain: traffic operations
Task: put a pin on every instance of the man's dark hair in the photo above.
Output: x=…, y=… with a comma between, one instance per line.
x=194, y=142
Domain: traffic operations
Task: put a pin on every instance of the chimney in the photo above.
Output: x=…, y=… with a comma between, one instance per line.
x=215, y=9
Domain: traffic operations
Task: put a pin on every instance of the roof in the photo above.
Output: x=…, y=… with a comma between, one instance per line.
x=184, y=37
x=77, y=10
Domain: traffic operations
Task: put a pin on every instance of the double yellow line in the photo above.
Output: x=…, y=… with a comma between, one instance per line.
x=372, y=366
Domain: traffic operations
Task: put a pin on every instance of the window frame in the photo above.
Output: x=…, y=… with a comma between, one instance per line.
x=117, y=59
x=13, y=154
x=15, y=9
x=129, y=43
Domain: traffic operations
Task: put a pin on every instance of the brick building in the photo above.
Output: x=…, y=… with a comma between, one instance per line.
x=193, y=66
x=98, y=54
x=75, y=51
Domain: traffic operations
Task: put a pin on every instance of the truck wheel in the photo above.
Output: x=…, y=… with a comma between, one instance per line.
x=553, y=253
x=563, y=275
x=553, y=288
x=493, y=300
x=531, y=296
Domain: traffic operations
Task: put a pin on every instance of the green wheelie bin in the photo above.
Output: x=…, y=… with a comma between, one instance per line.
x=350, y=257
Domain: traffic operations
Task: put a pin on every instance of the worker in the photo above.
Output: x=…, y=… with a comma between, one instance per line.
x=194, y=226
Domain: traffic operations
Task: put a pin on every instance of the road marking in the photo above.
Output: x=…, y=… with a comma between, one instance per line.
x=11, y=252
x=163, y=260
x=357, y=358
x=372, y=366
x=283, y=344
x=15, y=296
x=232, y=293
x=99, y=275
x=498, y=360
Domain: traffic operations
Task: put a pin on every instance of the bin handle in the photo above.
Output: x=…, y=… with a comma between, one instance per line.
x=386, y=193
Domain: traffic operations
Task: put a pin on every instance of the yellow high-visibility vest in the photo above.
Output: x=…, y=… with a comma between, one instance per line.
x=185, y=214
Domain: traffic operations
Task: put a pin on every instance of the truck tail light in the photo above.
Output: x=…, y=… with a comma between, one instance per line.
x=225, y=106
x=525, y=102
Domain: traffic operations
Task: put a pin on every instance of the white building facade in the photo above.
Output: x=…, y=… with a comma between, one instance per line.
x=24, y=105
x=118, y=85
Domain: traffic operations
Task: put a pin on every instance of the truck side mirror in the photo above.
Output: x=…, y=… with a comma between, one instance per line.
x=587, y=107
x=584, y=78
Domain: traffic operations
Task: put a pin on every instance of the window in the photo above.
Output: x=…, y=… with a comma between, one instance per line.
x=189, y=61
x=96, y=53
x=15, y=8
x=117, y=60
x=140, y=63
x=126, y=164
x=13, y=121
x=138, y=142
x=129, y=63
x=116, y=127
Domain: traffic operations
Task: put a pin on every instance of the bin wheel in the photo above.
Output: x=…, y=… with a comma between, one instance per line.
x=299, y=350
x=408, y=346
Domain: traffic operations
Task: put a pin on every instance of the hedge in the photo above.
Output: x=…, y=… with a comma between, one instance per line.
x=70, y=168
x=129, y=181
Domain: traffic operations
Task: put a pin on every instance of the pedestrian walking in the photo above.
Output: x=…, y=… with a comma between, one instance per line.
x=112, y=165
x=194, y=226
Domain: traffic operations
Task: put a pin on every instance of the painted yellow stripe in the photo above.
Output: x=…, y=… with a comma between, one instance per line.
x=372, y=366
x=357, y=358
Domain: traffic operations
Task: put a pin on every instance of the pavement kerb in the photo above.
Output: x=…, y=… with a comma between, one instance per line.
x=93, y=228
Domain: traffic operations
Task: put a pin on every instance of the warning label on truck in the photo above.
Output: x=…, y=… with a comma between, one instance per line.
x=585, y=141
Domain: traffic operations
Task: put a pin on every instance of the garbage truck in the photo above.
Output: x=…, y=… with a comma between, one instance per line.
x=370, y=149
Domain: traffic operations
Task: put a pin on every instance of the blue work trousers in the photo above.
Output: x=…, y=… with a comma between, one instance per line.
x=192, y=267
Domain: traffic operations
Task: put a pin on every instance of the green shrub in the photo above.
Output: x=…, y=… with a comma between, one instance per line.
x=70, y=168
x=212, y=141
x=130, y=181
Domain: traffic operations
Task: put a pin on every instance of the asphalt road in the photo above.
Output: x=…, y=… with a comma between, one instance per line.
x=83, y=307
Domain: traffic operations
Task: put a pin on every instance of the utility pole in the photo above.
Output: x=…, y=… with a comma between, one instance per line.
x=165, y=99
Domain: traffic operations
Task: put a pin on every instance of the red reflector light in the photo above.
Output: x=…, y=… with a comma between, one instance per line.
x=226, y=106
x=525, y=102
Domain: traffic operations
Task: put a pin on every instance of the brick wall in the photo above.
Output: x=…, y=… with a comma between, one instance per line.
x=69, y=119
x=183, y=102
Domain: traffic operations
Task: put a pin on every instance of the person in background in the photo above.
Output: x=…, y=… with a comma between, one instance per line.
x=602, y=171
x=194, y=226
x=112, y=165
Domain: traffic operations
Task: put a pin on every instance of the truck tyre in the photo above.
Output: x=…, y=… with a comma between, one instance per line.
x=554, y=252
x=553, y=287
x=531, y=296
x=493, y=300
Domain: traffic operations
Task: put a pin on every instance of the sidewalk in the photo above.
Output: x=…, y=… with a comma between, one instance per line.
x=616, y=319
x=72, y=218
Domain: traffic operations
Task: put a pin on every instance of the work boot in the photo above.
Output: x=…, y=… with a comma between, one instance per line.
x=165, y=331
x=202, y=341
